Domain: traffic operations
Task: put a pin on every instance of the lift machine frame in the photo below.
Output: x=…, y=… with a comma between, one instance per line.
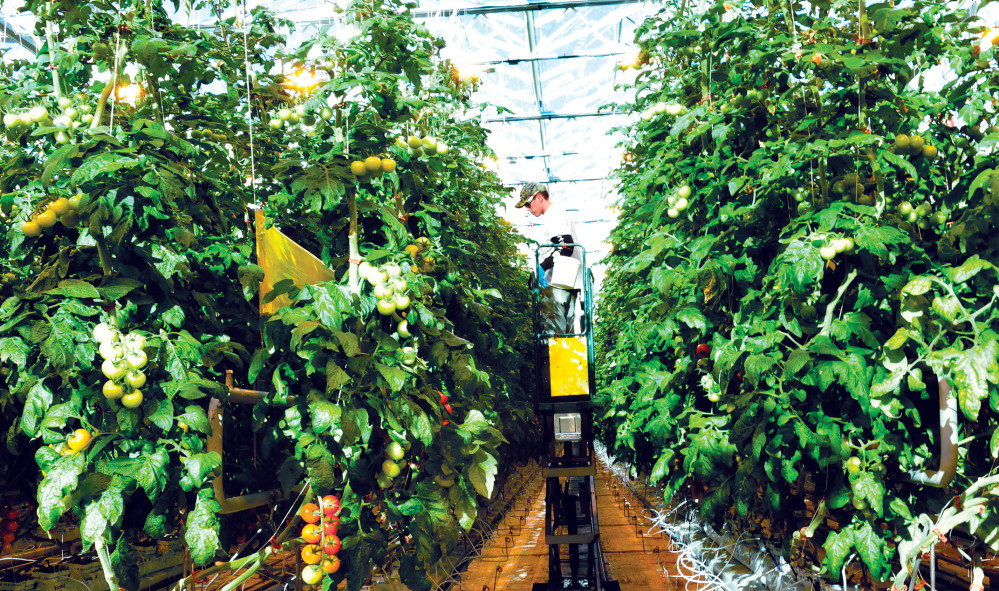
x=563, y=401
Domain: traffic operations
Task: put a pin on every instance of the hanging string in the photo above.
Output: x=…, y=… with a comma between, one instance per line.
x=249, y=104
x=114, y=80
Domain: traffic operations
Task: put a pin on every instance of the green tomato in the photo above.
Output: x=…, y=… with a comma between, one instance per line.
x=395, y=451
x=853, y=465
x=390, y=468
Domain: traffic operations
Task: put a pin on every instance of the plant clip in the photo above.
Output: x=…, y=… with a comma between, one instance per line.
x=940, y=535
x=196, y=579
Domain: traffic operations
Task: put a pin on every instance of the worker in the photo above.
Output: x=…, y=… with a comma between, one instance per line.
x=558, y=306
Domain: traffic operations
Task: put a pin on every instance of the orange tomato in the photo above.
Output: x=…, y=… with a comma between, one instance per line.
x=310, y=554
x=310, y=513
x=330, y=565
x=311, y=533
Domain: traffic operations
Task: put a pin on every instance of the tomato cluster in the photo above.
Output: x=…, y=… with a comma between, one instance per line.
x=418, y=146
x=322, y=544
x=59, y=209
x=371, y=167
x=9, y=526
x=124, y=358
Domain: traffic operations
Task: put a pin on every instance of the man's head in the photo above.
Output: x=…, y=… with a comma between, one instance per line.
x=533, y=196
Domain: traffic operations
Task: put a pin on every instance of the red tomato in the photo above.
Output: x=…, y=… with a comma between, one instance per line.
x=332, y=545
x=331, y=505
x=703, y=350
x=331, y=525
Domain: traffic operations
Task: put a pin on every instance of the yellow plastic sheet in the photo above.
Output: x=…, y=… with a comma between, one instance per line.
x=282, y=258
x=568, y=366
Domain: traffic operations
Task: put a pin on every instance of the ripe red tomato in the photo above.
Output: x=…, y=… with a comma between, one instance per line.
x=331, y=525
x=8, y=538
x=703, y=350
x=11, y=514
x=310, y=513
x=331, y=505
x=10, y=526
x=448, y=408
x=444, y=397
x=332, y=545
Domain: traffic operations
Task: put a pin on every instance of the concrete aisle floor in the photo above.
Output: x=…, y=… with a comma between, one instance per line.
x=516, y=556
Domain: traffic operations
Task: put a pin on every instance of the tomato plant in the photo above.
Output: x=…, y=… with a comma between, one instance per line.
x=838, y=273
x=154, y=285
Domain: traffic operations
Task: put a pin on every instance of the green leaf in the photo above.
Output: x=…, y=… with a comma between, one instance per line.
x=661, y=467
x=149, y=470
x=412, y=506
x=319, y=465
x=202, y=529
x=973, y=372
x=324, y=415
x=195, y=418
x=482, y=473
x=14, y=349
x=795, y=361
x=898, y=339
x=837, y=547
x=54, y=492
x=868, y=488
x=872, y=549
x=105, y=511
x=968, y=269
x=947, y=306
x=35, y=406
x=75, y=288
x=101, y=165
x=200, y=466
x=395, y=377
x=692, y=317
x=756, y=365
x=115, y=289
x=918, y=286
x=59, y=159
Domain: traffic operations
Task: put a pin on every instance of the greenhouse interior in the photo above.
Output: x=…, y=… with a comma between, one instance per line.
x=586, y=295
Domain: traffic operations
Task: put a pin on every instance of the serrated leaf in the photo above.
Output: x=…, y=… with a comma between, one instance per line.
x=56, y=486
x=968, y=269
x=795, y=361
x=195, y=418
x=872, y=549
x=105, y=511
x=756, y=365
x=898, y=339
x=15, y=350
x=100, y=165
x=692, y=317
x=661, y=467
x=149, y=471
x=200, y=466
x=324, y=415
x=482, y=473
x=868, y=488
x=947, y=306
x=412, y=506
x=973, y=372
x=918, y=286
x=115, y=289
x=837, y=546
x=202, y=528
x=74, y=288
x=394, y=377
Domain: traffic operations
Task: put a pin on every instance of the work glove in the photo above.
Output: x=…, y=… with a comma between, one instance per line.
x=547, y=264
x=565, y=251
x=542, y=282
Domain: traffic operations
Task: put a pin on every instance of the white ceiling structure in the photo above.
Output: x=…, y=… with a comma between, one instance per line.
x=552, y=65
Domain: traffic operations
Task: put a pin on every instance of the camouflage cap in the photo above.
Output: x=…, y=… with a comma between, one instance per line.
x=530, y=190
